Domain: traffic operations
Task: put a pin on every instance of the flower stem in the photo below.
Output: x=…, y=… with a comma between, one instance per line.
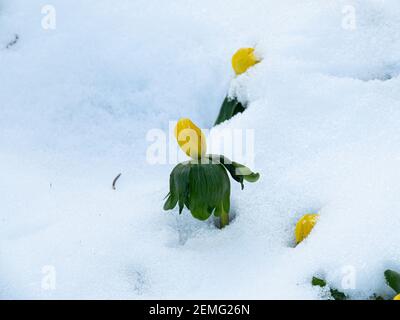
x=224, y=219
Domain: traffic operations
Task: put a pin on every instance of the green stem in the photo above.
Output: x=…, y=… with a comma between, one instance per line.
x=224, y=219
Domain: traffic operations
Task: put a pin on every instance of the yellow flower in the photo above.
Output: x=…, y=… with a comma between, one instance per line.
x=304, y=226
x=243, y=59
x=397, y=297
x=190, y=138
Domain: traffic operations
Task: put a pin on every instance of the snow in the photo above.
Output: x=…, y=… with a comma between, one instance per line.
x=77, y=104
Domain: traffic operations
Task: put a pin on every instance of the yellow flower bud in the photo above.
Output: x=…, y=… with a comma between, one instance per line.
x=243, y=59
x=190, y=138
x=397, y=297
x=304, y=226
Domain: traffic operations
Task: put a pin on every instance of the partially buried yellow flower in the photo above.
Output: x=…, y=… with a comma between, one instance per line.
x=397, y=297
x=304, y=226
x=190, y=138
x=243, y=59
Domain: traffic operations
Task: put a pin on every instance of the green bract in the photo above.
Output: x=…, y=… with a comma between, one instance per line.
x=230, y=107
x=393, y=280
x=204, y=188
x=335, y=294
x=239, y=172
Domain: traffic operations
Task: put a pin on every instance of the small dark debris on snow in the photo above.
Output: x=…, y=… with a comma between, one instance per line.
x=13, y=42
x=115, y=180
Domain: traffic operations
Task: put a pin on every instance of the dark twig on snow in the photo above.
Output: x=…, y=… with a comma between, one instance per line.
x=115, y=181
x=13, y=42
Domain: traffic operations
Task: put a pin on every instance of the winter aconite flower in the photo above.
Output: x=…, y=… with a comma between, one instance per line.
x=190, y=138
x=397, y=297
x=243, y=59
x=202, y=184
x=304, y=226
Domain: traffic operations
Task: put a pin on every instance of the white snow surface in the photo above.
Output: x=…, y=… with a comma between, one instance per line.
x=77, y=102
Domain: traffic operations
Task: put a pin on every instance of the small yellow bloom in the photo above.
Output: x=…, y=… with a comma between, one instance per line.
x=243, y=59
x=397, y=297
x=190, y=138
x=304, y=226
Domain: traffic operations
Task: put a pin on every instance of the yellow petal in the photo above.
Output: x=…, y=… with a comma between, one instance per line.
x=397, y=297
x=304, y=226
x=243, y=59
x=190, y=138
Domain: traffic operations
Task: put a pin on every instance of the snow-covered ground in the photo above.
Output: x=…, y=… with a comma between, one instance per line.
x=76, y=105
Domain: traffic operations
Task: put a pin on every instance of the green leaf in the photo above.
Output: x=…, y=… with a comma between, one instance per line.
x=230, y=107
x=178, y=187
x=226, y=204
x=203, y=188
x=316, y=282
x=209, y=188
x=336, y=294
x=393, y=280
x=182, y=185
x=223, y=206
x=172, y=196
x=238, y=171
x=245, y=172
x=376, y=297
x=171, y=202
